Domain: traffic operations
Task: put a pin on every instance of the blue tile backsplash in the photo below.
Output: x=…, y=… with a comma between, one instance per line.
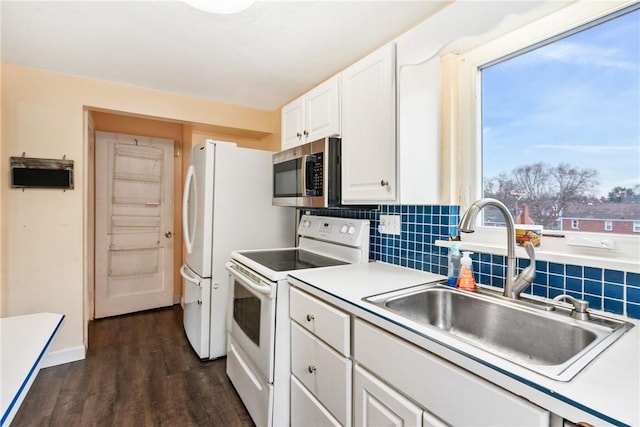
x=610, y=290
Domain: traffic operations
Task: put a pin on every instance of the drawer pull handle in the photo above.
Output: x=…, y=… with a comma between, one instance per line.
x=310, y=317
x=311, y=369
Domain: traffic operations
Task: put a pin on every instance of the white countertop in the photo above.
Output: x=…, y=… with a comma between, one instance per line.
x=24, y=342
x=605, y=391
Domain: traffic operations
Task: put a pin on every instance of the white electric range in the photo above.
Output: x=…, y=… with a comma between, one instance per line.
x=258, y=350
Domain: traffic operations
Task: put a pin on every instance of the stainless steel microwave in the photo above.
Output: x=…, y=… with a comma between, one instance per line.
x=308, y=175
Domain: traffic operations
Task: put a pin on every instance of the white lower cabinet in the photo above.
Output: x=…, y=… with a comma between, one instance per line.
x=346, y=371
x=321, y=370
x=321, y=319
x=448, y=394
x=306, y=410
x=377, y=404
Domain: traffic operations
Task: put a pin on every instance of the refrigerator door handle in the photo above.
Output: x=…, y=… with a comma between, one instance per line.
x=184, y=272
x=190, y=180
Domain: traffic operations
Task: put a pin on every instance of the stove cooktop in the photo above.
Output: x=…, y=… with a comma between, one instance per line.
x=291, y=259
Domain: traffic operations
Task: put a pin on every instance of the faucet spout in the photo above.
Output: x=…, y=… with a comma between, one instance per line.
x=513, y=285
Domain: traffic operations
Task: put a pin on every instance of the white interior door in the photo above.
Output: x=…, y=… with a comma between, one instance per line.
x=134, y=223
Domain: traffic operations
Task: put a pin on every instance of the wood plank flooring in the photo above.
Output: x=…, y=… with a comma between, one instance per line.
x=139, y=371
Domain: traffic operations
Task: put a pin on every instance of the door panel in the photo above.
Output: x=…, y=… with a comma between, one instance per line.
x=134, y=222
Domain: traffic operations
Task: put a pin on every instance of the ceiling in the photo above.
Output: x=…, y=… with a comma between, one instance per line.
x=261, y=58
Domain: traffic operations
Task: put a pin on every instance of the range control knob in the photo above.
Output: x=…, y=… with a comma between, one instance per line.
x=352, y=229
x=306, y=223
x=344, y=229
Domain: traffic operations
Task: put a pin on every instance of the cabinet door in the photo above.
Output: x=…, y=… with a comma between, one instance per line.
x=369, y=129
x=454, y=395
x=377, y=404
x=293, y=124
x=322, y=110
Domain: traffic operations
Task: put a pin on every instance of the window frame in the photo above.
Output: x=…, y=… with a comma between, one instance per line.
x=573, y=247
x=608, y=225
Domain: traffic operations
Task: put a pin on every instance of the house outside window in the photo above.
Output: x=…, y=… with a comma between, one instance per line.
x=608, y=225
x=575, y=224
x=636, y=226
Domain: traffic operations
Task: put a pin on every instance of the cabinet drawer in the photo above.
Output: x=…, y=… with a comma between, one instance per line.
x=326, y=322
x=453, y=395
x=323, y=371
x=306, y=410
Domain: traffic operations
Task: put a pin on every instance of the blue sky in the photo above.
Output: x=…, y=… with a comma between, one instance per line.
x=574, y=101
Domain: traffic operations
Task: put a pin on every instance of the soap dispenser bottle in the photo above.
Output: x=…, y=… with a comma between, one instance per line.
x=454, y=265
x=466, y=280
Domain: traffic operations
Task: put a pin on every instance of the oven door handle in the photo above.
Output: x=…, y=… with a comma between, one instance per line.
x=266, y=289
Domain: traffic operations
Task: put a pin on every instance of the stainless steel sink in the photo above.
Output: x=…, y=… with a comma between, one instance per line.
x=542, y=338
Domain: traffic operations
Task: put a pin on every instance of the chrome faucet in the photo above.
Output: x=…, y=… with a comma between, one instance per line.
x=513, y=285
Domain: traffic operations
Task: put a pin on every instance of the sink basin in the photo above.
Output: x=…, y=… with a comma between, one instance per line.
x=544, y=339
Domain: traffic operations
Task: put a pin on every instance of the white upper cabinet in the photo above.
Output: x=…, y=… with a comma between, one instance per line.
x=322, y=110
x=369, y=129
x=293, y=124
x=313, y=116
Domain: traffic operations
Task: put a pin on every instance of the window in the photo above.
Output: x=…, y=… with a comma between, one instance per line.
x=636, y=226
x=608, y=225
x=558, y=147
x=560, y=129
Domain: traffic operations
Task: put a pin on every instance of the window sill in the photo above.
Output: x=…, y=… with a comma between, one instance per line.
x=552, y=250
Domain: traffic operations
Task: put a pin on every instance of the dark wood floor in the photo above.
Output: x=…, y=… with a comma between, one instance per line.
x=139, y=371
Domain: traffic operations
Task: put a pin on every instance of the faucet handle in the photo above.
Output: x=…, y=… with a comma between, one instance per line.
x=531, y=252
x=526, y=276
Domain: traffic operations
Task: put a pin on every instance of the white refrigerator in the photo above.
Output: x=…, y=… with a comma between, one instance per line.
x=226, y=206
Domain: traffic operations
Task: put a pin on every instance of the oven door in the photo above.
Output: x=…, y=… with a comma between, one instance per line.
x=251, y=320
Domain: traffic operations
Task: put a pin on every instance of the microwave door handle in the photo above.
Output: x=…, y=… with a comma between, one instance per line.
x=303, y=175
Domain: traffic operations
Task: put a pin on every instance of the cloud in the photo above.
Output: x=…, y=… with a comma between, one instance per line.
x=576, y=53
x=583, y=54
x=595, y=149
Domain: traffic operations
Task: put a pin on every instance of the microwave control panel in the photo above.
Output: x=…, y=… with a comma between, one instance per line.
x=315, y=175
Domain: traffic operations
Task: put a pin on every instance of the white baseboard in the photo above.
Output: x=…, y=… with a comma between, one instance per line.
x=53, y=358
